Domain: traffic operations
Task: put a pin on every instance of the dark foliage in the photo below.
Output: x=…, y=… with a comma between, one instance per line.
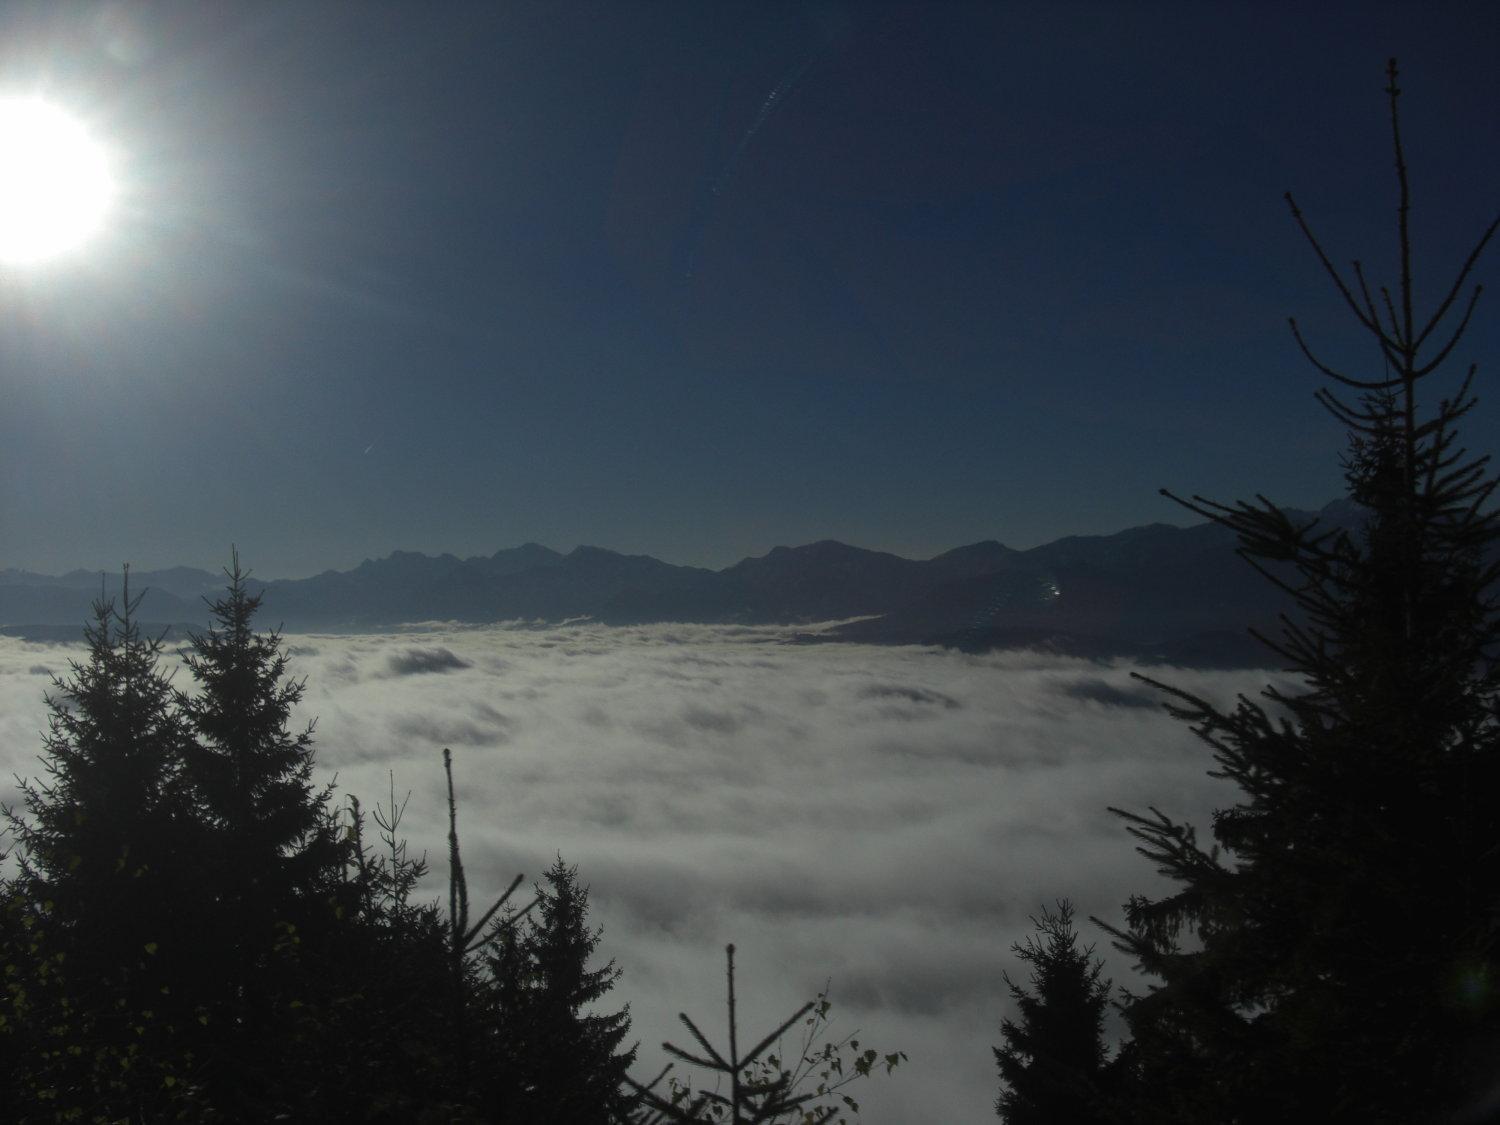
x=192, y=934
x=269, y=861
x=1052, y=1060
x=561, y=1060
x=767, y=1084
x=96, y=923
x=1330, y=955
x=196, y=934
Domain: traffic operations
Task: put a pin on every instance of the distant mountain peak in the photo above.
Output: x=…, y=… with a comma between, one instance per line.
x=1147, y=589
x=1344, y=512
x=821, y=548
x=983, y=547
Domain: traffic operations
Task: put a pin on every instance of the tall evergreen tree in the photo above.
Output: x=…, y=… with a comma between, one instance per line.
x=101, y=843
x=561, y=1061
x=112, y=755
x=270, y=862
x=252, y=775
x=1329, y=956
x=1052, y=1060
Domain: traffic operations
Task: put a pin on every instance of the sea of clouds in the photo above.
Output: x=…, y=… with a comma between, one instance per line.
x=882, y=820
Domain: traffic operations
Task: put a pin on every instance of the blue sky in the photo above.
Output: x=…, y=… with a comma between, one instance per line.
x=698, y=280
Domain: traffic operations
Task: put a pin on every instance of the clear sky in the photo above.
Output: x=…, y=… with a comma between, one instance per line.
x=695, y=280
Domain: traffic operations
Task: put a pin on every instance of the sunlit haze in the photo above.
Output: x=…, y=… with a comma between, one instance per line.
x=831, y=477
x=55, y=183
x=696, y=281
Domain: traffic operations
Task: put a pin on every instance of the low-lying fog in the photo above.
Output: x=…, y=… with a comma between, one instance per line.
x=882, y=818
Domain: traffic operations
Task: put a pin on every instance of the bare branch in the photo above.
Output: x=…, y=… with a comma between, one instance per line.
x=1358, y=384
x=1390, y=312
x=1364, y=291
x=1458, y=283
x=1329, y=267
x=1403, y=210
x=1453, y=340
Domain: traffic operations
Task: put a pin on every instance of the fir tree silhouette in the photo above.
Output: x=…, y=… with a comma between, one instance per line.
x=270, y=860
x=766, y=1084
x=101, y=841
x=1051, y=1061
x=1328, y=956
x=564, y=1060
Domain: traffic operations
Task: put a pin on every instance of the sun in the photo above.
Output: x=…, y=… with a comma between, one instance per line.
x=55, y=183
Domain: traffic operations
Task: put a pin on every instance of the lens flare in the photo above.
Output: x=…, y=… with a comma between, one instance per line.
x=55, y=183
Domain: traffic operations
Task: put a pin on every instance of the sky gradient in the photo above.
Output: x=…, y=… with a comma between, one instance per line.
x=699, y=280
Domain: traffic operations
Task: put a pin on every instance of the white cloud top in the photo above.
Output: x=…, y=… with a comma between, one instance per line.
x=884, y=818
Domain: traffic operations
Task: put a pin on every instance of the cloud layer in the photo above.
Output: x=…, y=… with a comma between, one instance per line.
x=884, y=819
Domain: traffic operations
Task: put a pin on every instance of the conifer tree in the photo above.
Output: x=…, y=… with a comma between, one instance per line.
x=101, y=841
x=17, y=973
x=251, y=775
x=385, y=1049
x=112, y=755
x=562, y=1060
x=1052, y=1060
x=1330, y=956
x=766, y=1084
x=269, y=862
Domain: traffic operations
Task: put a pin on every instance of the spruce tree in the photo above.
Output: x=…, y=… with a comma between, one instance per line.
x=773, y=1081
x=96, y=909
x=112, y=755
x=251, y=774
x=561, y=1061
x=270, y=862
x=1052, y=1060
x=1330, y=955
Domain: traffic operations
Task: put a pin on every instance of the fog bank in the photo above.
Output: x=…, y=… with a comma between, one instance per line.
x=880, y=819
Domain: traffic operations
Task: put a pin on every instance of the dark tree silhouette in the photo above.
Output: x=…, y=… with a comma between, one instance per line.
x=194, y=935
x=465, y=954
x=1329, y=956
x=388, y=1048
x=251, y=775
x=765, y=1084
x=270, y=860
x=1052, y=1060
x=101, y=842
x=562, y=1060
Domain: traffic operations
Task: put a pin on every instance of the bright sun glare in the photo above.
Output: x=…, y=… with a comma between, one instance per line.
x=55, y=185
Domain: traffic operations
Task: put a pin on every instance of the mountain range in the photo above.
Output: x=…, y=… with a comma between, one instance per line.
x=1157, y=592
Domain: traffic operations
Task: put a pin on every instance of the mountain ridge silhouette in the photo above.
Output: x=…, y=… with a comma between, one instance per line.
x=1155, y=591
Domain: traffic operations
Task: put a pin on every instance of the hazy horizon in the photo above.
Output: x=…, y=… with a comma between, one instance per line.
x=248, y=561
